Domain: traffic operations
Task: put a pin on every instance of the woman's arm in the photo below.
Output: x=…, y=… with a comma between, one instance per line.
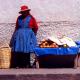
x=33, y=25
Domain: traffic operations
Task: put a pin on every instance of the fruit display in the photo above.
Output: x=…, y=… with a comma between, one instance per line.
x=48, y=44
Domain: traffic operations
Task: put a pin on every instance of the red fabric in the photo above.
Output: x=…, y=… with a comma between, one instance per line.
x=23, y=8
x=32, y=24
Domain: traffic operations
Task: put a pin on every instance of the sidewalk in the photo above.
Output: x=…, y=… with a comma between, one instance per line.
x=39, y=71
x=40, y=74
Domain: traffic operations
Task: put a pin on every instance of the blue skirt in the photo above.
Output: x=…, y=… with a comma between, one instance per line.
x=23, y=40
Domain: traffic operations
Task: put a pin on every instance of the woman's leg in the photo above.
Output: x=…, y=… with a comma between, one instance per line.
x=14, y=62
x=26, y=61
x=20, y=59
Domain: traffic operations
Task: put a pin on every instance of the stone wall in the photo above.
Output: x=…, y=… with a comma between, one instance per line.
x=57, y=28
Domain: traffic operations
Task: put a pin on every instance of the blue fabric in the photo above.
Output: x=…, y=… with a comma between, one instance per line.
x=57, y=51
x=77, y=42
x=24, y=39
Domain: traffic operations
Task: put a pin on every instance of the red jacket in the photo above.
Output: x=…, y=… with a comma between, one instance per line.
x=32, y=24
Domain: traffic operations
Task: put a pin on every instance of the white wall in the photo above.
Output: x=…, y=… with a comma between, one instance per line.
x=65, y=13
x=43, y=10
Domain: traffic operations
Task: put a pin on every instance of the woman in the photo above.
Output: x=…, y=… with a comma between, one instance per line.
x=23, y=40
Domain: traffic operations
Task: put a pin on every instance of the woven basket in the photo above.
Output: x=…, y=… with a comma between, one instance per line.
x=5, y=56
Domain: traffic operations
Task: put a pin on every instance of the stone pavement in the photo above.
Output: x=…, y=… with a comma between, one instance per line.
x=40, y=74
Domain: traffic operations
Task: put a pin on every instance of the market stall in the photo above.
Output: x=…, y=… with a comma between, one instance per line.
x=50, y=54
x=57, y=57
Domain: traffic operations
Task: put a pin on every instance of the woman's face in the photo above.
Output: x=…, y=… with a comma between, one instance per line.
x=25, y=13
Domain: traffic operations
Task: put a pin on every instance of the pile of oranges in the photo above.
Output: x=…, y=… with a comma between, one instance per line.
x=48, y=44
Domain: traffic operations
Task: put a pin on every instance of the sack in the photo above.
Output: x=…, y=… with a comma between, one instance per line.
x=68, y=41
x=55, y=39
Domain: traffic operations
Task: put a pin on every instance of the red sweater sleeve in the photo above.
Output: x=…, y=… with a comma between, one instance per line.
x=33, y=25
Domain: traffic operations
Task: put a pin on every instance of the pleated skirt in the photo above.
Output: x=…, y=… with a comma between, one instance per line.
x=23, y=40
